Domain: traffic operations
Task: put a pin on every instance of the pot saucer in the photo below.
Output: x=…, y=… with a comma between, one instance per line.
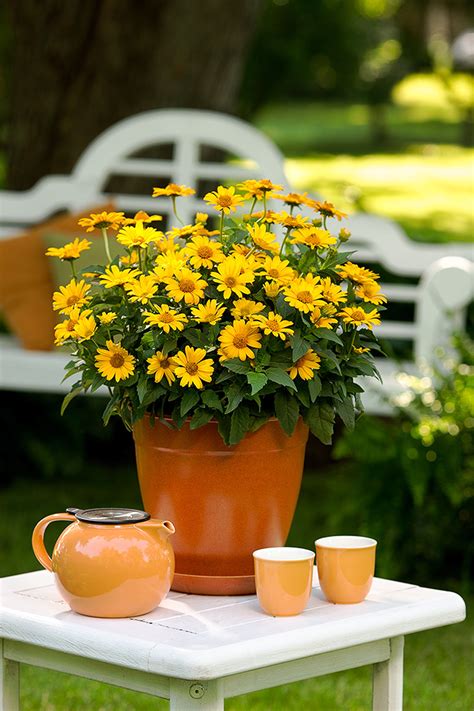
x=214, y=584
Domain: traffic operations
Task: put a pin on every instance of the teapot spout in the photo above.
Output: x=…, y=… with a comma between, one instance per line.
x=165, y=527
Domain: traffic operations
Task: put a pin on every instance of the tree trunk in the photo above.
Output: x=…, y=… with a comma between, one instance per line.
x=79, y=66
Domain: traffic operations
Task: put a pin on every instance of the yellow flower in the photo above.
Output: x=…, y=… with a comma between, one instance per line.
x=360, y=351
x=277, y=269
x=117, y=277
x=238, y=339
x=269, y=217
x=208, y=312
x=102, y=221
x=274, y=325
x=161, y=365
x=85, y=328
x=142, y=289
x=186, y=285
x=332, y=292
x=326, y=208
x=166, y=318
x=224, y=199
x=203, y=252
x=303, y=294
x=202, y=217
x=168, y=265
x=344, y=234
x=183, y=232
x=141, y=217
x=305, y=365
x=65, y=329
x=71, y=250
x=231, y=279
x=166, y=245
x=263, y=239
x=293, y=199
x=360, y=275
x=272, y=289
x=129, y=259
x=107, y=317
x=245, y=308
x=355, y=316
x=192, y=368
x=173, y=190
x=114, y=362
x=284, y=218
x=313, y=237
x=370, y=291
x=258, y=188
x=73, y=294
x=322, y=316
x=136, y=235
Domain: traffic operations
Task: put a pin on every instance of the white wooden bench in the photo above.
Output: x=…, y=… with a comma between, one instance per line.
x=442, y=274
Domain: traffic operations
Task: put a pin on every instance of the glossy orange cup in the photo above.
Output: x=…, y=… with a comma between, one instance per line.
x=283, y=578
x=346, y=566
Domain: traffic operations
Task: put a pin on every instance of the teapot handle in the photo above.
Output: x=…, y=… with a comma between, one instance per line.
x=37, y=539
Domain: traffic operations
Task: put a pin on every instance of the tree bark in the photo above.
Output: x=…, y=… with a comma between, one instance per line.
x=79, y=66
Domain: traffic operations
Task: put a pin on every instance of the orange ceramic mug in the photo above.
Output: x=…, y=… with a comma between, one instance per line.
x=346, y=566
x=283, y=578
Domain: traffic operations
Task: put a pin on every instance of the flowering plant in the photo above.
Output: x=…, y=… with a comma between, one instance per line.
x=226, y=324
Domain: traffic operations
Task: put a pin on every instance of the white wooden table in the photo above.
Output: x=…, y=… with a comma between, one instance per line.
x=198, y=650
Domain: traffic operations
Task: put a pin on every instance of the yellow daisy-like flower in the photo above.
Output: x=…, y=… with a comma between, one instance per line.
x=258, y=188
x=136, y=236
x=268, y=217
x=161, y=366
x=107, y=317
x=166, y=318
x=203, y=252
x=173, y=190
x=293, y=199
x=322, y=316
x=231, y=279
x=202, y=217
x=85, y=328
x=129, y=260
x=272, y=289
x=192, y=368
x=166, y=245
x=326, y=208
x=169, y=264
x=313, y=237
x=71, y=250
x=208, y=312
x=287, y=220
x=277, y=269
x=369, y=291
x=332, y=292
x=186, y=285
x=274, y=325
x=238, y=339
x=353, y=272
x=360, y=351
x=303, y=294
x=102, y=221
x=65, y=329
x=263, y=238
x=114, y=276
x=142, y=217
x=184, y=232
x=71, y=295
x=224, y=199
x=355, y=316
x=141, y=290
x=245, y=308
x=305, y=366
x=114, y=362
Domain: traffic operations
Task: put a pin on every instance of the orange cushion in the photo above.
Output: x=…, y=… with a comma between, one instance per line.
x=26, y=281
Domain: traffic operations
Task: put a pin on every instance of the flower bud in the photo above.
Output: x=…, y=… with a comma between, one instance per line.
x=344, y=234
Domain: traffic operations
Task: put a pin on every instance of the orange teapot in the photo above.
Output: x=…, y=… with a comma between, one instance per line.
x=109, y=562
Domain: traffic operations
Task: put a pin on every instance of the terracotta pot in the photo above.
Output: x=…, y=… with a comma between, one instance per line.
x=224, y=501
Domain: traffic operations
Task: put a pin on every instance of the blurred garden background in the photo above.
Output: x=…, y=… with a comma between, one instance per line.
x=372, y=103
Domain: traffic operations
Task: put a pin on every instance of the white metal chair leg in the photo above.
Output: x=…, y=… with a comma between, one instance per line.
x=9, y=683
x=388, y=679
x=196, y=695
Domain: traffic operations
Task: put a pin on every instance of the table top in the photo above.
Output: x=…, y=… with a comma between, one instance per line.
x=206, y=637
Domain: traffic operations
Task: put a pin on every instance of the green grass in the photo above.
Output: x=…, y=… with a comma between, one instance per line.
x=437, y=662
x=420, y=178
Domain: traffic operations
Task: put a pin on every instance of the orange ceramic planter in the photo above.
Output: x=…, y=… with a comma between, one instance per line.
x=225, y=501
x=109, y=570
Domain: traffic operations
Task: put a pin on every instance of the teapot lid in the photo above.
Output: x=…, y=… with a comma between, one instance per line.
x=111, y=516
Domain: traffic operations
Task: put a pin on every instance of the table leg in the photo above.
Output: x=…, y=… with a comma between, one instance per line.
x=196, y=695
x=388, y=680
x=9, y=683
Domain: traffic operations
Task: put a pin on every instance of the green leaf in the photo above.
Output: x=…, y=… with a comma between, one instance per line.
x=346, y=412
x=281, y=377
x=142, y=387
x=287, y=411
x=320, y=419
x=153, y=395
x=76, y=390
x=235, y=395
x=328, y=335
x=298, y=347
x=188, y=401
x=111, y=408
x=201, y=417
x=239, y=424
x=236, y=365
x=212, y=400
x=257, y=381
x=314, y=387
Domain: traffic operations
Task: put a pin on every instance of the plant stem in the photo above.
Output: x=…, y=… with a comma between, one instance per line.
x=173, y=201
x=288, y=229
x=106, y=243
x=74, y=275
x=221, y=225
